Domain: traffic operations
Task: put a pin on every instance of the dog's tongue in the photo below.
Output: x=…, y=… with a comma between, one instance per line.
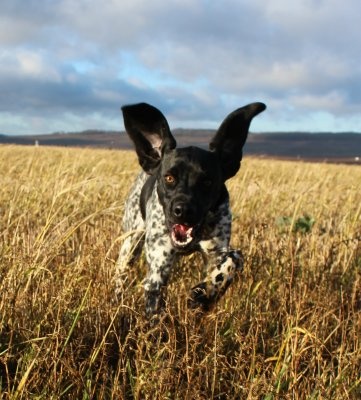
x=181, y=232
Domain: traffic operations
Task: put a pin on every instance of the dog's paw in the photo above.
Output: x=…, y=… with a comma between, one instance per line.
x=200, y=298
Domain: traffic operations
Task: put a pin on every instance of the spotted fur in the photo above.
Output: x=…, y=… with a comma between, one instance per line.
x=179, y=204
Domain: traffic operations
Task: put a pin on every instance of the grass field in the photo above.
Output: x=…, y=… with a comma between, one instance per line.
x=288, y=328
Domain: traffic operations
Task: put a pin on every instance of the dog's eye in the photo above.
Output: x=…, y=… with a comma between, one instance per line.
x=169, y=179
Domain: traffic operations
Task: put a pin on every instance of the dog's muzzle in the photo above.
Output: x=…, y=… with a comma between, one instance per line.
x=182, y=235
x=184, y=223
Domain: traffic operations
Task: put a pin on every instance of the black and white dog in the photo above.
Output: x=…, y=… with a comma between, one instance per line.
x=179, y=204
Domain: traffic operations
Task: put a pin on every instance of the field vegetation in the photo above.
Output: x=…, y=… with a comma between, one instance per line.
x=288, y=328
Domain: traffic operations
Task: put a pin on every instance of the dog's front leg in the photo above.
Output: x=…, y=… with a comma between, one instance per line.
x=221, y=262
x=160, y=257
x=222, y=267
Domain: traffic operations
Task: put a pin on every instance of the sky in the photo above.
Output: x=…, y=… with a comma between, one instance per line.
x=70, y=65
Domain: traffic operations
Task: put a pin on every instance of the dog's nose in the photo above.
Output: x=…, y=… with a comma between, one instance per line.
x=183, y=212
x=178, y=210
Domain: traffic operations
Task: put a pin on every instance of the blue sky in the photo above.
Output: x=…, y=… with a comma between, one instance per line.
x=69, y=65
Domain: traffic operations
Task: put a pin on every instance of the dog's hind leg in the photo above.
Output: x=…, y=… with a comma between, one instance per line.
x=129, y=254
x=133, y=228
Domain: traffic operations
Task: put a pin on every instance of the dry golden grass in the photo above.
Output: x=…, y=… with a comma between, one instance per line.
x=289, y=327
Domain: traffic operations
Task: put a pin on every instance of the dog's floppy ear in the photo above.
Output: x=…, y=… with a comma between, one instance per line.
x=231, y=137
x=150, y=133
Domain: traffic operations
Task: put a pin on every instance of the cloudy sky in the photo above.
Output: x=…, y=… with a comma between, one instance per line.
x=69, y=65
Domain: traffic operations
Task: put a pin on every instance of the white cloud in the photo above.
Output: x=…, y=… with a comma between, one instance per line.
x=332, y=101
x=194, y=59
x=32, y=64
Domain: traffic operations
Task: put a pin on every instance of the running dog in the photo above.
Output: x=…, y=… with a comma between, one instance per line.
x=179, y=204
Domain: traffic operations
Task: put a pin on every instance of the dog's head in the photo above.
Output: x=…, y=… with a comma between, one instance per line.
x=190, y=180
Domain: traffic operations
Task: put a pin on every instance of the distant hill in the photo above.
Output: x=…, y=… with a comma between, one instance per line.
x=89, y=138
x=332, y=147
x=345, y=147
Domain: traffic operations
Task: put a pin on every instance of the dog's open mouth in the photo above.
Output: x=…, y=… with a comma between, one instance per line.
x=181, y=235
